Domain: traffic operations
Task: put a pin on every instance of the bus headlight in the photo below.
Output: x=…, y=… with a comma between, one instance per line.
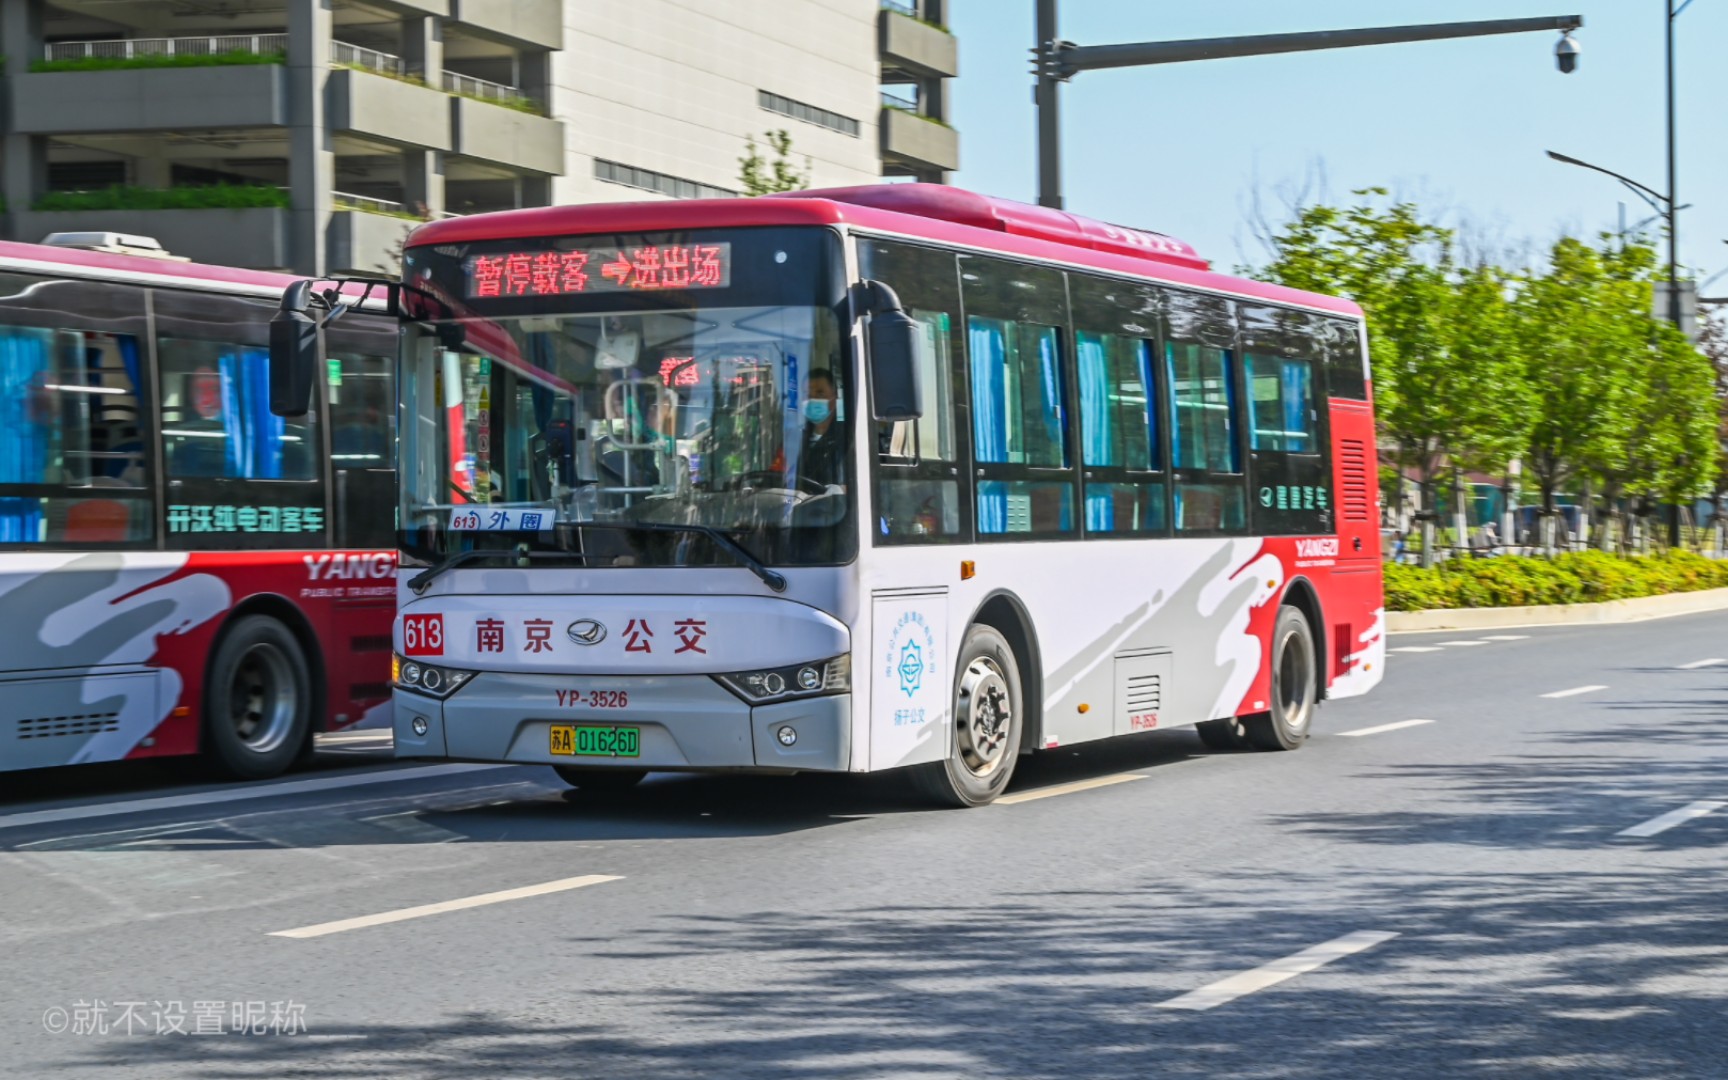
x=429, y=679
x=794, y=681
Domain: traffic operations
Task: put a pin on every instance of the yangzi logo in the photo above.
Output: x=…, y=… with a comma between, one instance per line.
x=911, y=668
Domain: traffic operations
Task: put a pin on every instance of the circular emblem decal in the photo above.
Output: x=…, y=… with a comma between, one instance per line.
x=587, y=631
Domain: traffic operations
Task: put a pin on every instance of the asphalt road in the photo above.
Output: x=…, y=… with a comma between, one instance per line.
x=1522, y=883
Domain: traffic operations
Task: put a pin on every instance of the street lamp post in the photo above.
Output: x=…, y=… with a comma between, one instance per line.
x=1056, y=61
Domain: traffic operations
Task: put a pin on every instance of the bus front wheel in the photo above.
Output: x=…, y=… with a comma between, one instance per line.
x=984, y=735
x=1295, y=686
x=257, y=700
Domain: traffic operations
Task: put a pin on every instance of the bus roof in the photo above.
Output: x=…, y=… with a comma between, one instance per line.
x=146, y=270
x=933, y=212
x=137, y=267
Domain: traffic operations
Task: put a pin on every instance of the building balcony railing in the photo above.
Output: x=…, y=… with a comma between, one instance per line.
x=143, y=48
x=898, y=101
x=366, y=59
x=348, y=201
x=485, y=89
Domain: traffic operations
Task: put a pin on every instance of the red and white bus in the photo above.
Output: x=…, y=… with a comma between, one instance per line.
x=181, y=571
x=865, y=479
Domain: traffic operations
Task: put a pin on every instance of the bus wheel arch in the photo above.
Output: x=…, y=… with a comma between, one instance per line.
x=1003, y=612
x=1300, y=594
x=243, y=619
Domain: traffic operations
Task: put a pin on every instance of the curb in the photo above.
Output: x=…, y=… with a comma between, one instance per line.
x=1610, y=611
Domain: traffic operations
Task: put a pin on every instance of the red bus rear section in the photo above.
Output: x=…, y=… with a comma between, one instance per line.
x=181, y=573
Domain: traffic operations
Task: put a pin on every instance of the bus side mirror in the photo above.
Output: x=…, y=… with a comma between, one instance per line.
x=896, y=392
x=293, y=352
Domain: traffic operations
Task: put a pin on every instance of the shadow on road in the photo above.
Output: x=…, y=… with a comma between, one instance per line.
x=1496, y=975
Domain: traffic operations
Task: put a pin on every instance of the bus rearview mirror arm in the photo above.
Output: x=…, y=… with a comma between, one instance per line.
x=896, y=391
x=294, y=351
x=295, y=344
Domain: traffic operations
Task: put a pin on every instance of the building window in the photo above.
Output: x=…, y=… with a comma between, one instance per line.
x=648, y=180
x=810, y=114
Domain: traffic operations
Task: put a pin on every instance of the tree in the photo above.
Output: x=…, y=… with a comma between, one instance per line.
x=1446, y=367
x=758, y=176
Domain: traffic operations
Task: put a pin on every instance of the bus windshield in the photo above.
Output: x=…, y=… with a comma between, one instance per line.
x=584, y=421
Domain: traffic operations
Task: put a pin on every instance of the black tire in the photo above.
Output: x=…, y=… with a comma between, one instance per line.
x=1295, y=686
x=983, y=744
x=599, y=781
x=257, y=700
x=1225, y=734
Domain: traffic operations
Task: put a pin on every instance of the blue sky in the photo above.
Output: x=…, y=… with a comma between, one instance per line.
x=1459, y=125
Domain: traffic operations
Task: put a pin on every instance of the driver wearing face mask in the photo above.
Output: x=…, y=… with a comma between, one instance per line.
x=824, y=455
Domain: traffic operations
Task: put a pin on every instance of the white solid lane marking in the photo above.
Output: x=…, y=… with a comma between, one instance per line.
x=1067, y=789
x=1227, y=990
x=423, y=910
x=254, y=791
x=1463, y=643
x=1386, y=727
x=1672, y=818
x=1505, y=637
x=1416, y=648
x=1702, y=663
x=1591, y=689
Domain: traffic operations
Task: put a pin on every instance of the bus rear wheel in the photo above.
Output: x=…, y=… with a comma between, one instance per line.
x=1295, y=686
x=984, y=736
x=257, y=700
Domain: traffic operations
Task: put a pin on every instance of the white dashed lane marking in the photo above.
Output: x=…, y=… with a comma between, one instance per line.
x=1672, y=818
x=236, y=794
x=1416, y=648
x=1462, y=644
x=466, y=902
x=1702, y=663
x=1506, y=637
x=1576, y=690
x=1067, y=789
x=1227, y=990
x=1385, y=727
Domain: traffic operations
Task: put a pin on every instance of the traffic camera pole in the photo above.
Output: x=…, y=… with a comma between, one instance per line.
x=1056, y=61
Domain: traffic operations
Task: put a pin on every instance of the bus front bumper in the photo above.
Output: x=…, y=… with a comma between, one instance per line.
x=684, y=723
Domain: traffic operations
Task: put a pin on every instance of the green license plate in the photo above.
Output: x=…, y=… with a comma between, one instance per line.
x=581, y=740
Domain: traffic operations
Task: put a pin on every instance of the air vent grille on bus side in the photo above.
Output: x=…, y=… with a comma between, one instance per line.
x=1145, y=693
x=48, y=727
x=370, y=643
x=1358, y=498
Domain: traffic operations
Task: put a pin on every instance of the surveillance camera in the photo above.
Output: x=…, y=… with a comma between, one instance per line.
x=1566, y=54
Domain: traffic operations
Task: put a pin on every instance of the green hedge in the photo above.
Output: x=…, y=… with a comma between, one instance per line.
x=115, y=63
x=213, y=197
x=1583, y=577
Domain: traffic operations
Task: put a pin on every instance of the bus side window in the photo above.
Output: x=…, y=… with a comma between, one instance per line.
x=1016, y=319
x=219, y=438
x=1121, y=418
x=360, y=387
x=1205, y=443
x=1345, y=377
x=916, y=464
x=1288, y=464
x=74, y=415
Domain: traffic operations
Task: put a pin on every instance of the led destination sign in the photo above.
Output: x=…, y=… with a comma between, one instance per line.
x=648, y=268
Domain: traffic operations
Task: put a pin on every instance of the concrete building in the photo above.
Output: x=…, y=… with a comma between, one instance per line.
x=345, y=121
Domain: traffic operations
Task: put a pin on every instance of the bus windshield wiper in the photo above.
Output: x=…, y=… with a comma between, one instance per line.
x=450, y=562
x=741, y=554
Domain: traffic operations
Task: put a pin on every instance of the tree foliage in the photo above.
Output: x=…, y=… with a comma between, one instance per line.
x=762, y=176
x=1561, y=366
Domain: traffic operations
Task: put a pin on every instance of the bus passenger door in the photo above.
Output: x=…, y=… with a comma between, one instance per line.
x=910, y=677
